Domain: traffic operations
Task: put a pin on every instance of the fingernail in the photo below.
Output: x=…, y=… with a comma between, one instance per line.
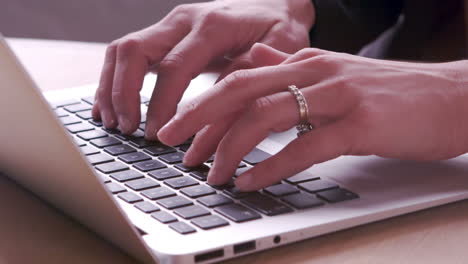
x=108, y=119
x=151, y=131
x=164, y=132
x=245, y=181
x=124, y=124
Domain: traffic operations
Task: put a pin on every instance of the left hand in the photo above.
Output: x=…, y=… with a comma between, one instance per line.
x=358, y=106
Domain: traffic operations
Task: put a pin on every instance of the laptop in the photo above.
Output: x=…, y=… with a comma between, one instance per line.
x=137, y=195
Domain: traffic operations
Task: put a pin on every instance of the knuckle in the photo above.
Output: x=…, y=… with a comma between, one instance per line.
x=308, y=53
x=262, y=107
x=237, y=78
x=128, y=46
x=189, y=108
x=324, y=59
x=211, y=22
x=182, y=12
x=171, y=62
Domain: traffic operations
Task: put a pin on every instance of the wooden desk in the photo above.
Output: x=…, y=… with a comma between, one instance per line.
x=32, y=232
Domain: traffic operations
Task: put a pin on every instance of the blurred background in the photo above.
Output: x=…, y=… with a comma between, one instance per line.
x=83, y=20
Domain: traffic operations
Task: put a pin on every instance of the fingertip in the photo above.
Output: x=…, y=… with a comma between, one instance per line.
x=108, y=119
x=245, y=182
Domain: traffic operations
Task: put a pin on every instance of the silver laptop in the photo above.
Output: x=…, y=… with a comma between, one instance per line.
x=137, y=194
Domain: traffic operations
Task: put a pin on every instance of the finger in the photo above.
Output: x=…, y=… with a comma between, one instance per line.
x=317, y=146
x=264, y=55
x=276, y=112
x=131, y=67
x=175, y=72
x=127, y=61
x=305, y=54
x=103, y=108
x=236, y=92
x=206, y=141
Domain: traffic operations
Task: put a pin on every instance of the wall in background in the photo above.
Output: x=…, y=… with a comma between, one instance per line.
x=84, y=20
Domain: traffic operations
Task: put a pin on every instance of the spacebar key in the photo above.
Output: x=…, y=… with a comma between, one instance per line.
x=237, y=213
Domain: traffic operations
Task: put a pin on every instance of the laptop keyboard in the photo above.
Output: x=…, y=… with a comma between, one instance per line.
x=151, y=176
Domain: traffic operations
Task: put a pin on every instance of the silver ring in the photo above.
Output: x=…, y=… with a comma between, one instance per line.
x=304, y=126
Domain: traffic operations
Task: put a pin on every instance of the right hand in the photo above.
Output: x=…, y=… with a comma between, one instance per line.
x=182, y=45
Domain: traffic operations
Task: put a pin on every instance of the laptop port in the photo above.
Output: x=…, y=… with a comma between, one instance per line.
x=244, y=247
x=209, y=255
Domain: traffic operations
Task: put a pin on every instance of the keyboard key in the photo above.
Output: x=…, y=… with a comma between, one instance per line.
x=137, y=134
x=64, y=103
x=164, y=174
x=129, y=197
x=159, y=149
x=182, y=228
x=302, y=177
x=164, y=217
x=142, y=143
x=78, y=107
x=172, y=158
x=158, y=193
x=81, y=127
x=240, y=171
x=234, y=192
x=60, y=112
x=266, y=205
x=141, y=184
x=112, y=131
x=214, y=200
x=88, y=99
x=192, y=211
x=317, y=186
x=184, y=147
x=302, y=201
x=198, y=191
x=147, y=207
x=209, y=222
x=281, y=190
x=256, y=156
x=95, y=123
x=89, y=150
x=115, y=188
x=237, y=213
x=111, y=167
x=181, y=182
x=337, y=195
x=119, y=149
x=184, y=168
x=127, y=175
x=142, y=126
x=99, y=158
x=93, y=134
x=227, y=185
x=86, y=115
x=79, y=142
x=149, y=165
x=174, y=202
x=69, y=120
x=134, y=157
x=105, y=142
x=200, y=173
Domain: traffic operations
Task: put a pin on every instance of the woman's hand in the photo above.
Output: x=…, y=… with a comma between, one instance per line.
x=183, y=44
x=358, y=106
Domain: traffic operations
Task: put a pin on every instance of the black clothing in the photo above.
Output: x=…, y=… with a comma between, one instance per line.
x=431, y=30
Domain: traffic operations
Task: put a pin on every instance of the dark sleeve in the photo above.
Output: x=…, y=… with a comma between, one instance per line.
x=348, y=25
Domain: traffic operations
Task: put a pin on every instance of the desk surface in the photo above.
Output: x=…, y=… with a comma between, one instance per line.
x=32, y=232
